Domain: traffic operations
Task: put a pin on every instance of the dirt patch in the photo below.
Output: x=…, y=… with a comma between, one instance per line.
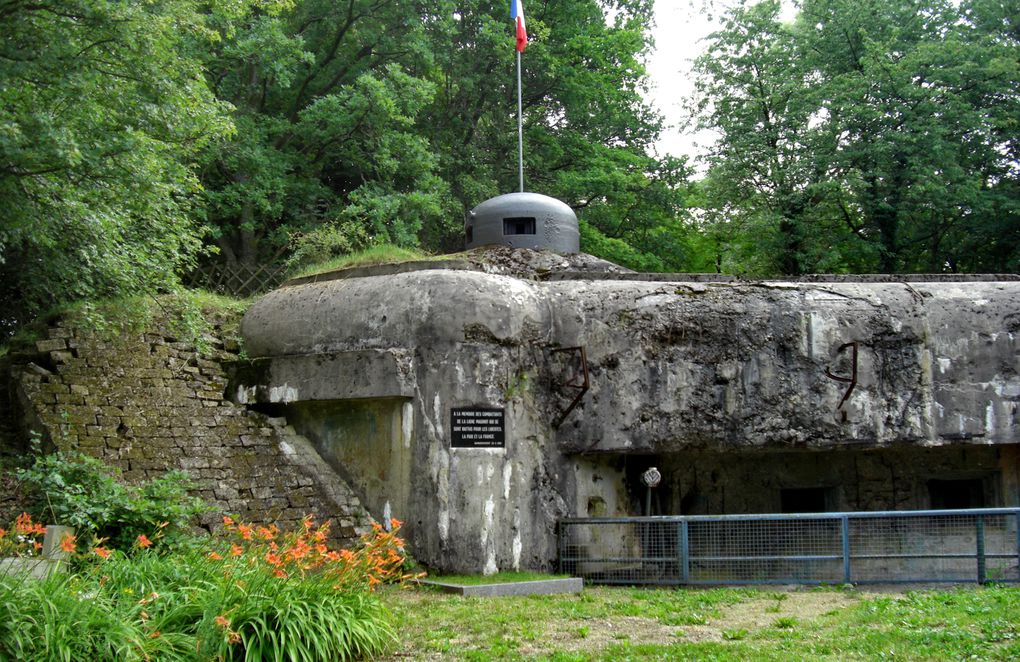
x=591, y=635
x=599, y=633
x=734, y=621
x=753, y=615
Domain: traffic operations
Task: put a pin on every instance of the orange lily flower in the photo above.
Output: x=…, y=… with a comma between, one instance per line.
x=67, y=543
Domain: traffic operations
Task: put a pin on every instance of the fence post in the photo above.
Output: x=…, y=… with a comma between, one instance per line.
x=1018, y=545
x=844, y=523
x=979, y=531
x=559, y=547
x=566, y=566
x=685, y=558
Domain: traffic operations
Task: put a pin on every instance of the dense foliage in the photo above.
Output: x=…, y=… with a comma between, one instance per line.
x=865, y=135
x=103, y=109
x=255, y=594
x=396, y=117
x=137, y=583
x=76, y=490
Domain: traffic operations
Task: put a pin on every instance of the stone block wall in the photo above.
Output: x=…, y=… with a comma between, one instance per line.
x=147, y=403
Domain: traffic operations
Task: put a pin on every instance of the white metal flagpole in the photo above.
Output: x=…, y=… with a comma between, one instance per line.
x=517, y=13
x=520, y=126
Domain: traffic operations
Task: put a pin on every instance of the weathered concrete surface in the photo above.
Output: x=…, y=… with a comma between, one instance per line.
x=675, y=367
x=680, y=366
x=706, y=483
x=372, y=435
x=536, y=587
x=456, y=338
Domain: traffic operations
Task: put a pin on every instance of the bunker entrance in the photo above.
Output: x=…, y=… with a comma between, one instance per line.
x=957, y=494
x=838, y=481
x=716, y=483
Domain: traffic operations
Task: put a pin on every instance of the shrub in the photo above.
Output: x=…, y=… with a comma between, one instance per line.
x=80, y=491
x=326, y=242
x=379, y=558
x=255, y=594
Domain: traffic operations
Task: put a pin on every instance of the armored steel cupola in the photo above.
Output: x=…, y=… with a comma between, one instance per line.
x=523, y=220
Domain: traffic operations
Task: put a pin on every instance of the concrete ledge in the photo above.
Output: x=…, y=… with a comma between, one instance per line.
x=34, y=568
x=537, y=587
x=580, y=274
x=351, y=375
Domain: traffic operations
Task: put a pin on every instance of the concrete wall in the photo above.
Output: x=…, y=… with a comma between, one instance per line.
x=467, y=509
x=675, y=368
x=688, y=365
x=372, y=435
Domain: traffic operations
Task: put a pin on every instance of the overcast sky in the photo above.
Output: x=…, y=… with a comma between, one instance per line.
x=681, y=26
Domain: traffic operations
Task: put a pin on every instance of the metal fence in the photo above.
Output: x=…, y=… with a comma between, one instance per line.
x=977, y=545
x=239, y=280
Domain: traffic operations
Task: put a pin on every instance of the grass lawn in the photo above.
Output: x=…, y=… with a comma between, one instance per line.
x=710, y=624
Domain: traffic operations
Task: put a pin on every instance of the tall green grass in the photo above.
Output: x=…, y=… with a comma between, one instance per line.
x=186, y=606
x=378, y=254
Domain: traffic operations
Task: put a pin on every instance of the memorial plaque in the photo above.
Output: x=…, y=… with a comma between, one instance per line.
x=477, y=427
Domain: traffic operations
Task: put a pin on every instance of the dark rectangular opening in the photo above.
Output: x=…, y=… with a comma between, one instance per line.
x=804, y=499
x=519, y=225
x=470, y=233
x=956, y=494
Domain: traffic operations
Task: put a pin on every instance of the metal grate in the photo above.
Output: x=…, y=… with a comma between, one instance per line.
x=977, y=545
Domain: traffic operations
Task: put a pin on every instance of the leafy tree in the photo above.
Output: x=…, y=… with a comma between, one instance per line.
x=768, y=179
x=398, y=117
x=102, y=108
x=131, y=131
x=325, y=109
x=913, y=92
x=867, y=135
x=588, y=130
x=994, y=245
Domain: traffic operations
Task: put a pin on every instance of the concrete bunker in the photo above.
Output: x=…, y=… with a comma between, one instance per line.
x=859, y=393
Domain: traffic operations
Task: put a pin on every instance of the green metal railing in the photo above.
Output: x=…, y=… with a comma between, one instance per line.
x=974, y=545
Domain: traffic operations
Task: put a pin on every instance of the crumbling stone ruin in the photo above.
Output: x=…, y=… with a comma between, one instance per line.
x=147, y=403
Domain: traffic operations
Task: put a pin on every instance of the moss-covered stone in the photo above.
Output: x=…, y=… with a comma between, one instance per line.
x=147, y=402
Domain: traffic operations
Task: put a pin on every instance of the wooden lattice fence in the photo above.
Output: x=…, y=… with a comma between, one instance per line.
x=238, y=280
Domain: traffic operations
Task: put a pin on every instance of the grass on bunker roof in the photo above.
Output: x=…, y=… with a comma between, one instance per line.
x=723, y=624
x=373, y=255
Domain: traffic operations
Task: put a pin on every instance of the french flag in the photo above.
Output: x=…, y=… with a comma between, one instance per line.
x=517, y=13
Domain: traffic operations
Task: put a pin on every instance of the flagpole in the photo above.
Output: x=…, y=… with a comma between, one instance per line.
x=520, y=126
